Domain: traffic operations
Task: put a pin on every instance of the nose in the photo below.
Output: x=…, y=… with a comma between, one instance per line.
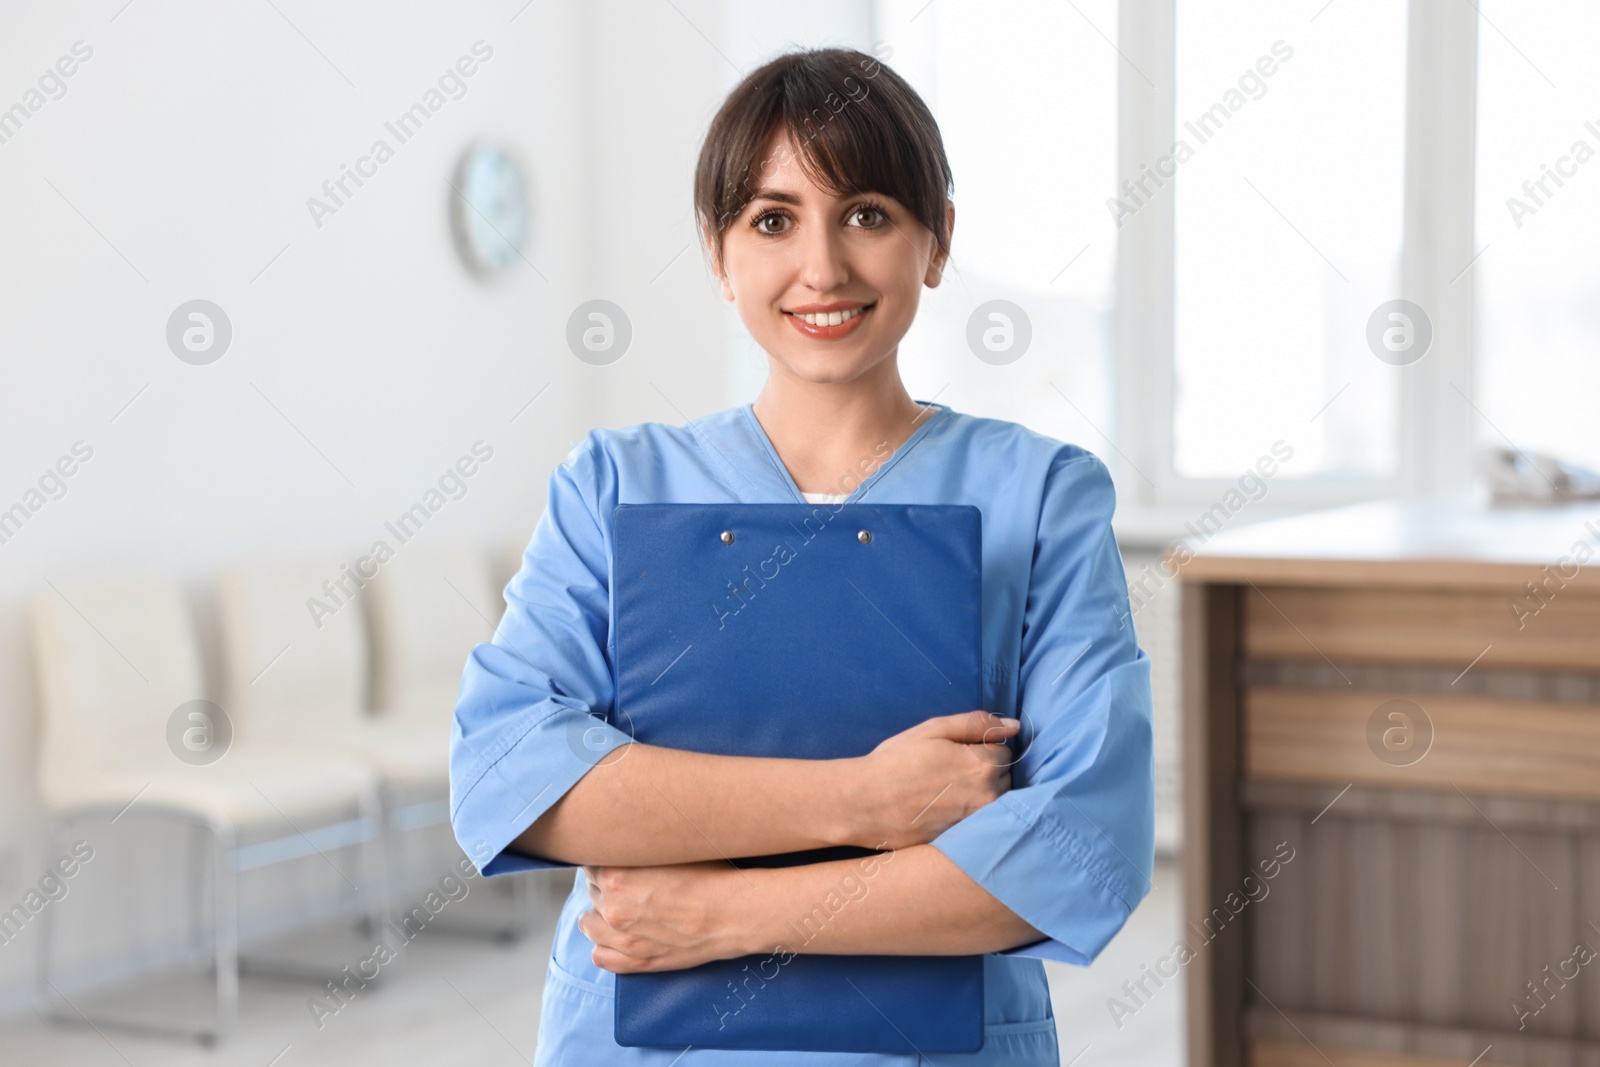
x=823, y=265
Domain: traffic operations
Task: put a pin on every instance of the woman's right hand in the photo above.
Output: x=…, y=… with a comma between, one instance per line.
x=920, y=782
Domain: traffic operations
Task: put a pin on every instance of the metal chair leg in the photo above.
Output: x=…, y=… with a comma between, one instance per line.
x=226, y=915
x=227, y=861
x=57, y=839
x=195, y=844
x=524, y=911
x=71, y=1015
x=377, y=862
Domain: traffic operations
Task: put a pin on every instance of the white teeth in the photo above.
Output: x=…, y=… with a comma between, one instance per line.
x=831, y=318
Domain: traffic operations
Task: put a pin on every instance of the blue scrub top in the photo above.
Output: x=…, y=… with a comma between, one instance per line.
x=1069, y=848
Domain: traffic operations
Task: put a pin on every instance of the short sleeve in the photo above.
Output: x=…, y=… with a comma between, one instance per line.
x=532, y=714
x=1070, y=847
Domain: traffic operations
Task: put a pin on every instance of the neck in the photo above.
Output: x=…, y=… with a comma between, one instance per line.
x=832, y=435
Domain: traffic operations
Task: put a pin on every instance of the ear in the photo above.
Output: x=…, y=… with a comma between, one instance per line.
x=717, y=268
x=937, y=261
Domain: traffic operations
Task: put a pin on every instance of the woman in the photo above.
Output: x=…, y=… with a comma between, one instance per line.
x=823, y=196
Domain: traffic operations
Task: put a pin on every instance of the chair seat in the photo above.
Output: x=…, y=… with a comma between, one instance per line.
x=259, y=785
x=405, y=752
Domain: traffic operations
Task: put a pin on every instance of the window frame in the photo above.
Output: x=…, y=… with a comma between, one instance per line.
x=1436, y=438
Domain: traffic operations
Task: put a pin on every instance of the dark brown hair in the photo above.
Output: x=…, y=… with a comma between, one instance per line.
x=859, y=127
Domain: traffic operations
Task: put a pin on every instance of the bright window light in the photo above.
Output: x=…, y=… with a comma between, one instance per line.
x=1538, y=226
x=1289, y=180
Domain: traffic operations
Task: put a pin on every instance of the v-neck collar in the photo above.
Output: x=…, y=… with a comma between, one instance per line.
x=760, y=434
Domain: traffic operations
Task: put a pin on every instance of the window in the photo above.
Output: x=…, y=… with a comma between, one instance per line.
x=1203, y=261
x=1024, y=92
x=1288, y=177
x=1538, y=226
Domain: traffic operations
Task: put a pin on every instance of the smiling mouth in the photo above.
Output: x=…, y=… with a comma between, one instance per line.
x=829, y=325
x=831, y=318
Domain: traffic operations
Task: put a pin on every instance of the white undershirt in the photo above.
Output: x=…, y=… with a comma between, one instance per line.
x=824, y=498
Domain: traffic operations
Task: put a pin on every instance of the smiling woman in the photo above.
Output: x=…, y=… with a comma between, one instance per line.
x=1018, y=831
x=825, y=176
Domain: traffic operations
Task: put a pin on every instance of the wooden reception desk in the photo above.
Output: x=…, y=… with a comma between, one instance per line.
x=1405, y=700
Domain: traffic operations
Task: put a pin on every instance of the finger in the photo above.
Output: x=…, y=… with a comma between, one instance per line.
x=971, y=727
x=609, y=959
x=995, y=753
x=608, y=952
x=998, y=733
x=593, y=925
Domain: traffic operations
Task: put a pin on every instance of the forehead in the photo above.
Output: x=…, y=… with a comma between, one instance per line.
x=777, y=173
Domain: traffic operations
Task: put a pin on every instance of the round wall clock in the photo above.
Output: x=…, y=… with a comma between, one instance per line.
x=489, y=209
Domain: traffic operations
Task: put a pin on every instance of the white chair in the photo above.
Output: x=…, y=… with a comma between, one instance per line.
x=295, y=661
x=426, y=609
x=116, y=659
x=307, y=618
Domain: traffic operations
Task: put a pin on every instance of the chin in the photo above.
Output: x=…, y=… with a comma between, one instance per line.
x=825, y=368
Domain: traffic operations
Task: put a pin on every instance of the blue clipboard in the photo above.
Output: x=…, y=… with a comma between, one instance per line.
x=802, y=631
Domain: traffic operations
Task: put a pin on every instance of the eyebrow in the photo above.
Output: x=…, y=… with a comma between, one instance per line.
x=775, y=194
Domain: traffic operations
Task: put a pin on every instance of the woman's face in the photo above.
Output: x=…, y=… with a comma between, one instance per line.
x=854, y=265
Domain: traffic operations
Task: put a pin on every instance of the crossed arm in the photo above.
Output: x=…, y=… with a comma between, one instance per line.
x=654, y=829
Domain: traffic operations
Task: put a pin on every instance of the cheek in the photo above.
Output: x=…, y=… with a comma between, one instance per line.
x=755, y=273
x=895, y=272
x=758, y=289
x=897, y=304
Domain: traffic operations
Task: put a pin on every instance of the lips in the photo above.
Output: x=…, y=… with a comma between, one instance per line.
x=829, y=324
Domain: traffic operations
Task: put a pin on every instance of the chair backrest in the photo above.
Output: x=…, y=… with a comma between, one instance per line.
x=294, y=648
x=426, y=609
x=115, y=658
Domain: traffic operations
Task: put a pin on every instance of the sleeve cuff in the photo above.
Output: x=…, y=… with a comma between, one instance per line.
x=1037, y=868
x=523, y=783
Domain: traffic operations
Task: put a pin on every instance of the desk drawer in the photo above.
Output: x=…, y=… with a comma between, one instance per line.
x=1482, y=745
x=1557, y=629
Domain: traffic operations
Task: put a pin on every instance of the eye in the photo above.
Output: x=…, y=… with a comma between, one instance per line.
x=760, y=222
x=873, y=212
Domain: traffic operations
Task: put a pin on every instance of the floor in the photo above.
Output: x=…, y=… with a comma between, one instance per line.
x=452, y=999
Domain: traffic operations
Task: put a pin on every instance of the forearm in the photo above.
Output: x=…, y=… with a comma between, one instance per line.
x=913, y=901
x=644, y=805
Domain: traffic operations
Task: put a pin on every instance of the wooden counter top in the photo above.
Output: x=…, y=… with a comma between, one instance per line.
x=1395, y=543
x=1376, y=686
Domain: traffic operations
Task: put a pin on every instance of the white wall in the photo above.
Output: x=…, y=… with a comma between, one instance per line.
x=365, y=359
x=187, y=146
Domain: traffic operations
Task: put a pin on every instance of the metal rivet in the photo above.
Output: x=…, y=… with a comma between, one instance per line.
x=727, y=537
x=864, y=537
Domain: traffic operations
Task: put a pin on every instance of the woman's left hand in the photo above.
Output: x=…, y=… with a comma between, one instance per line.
x=661, y=918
